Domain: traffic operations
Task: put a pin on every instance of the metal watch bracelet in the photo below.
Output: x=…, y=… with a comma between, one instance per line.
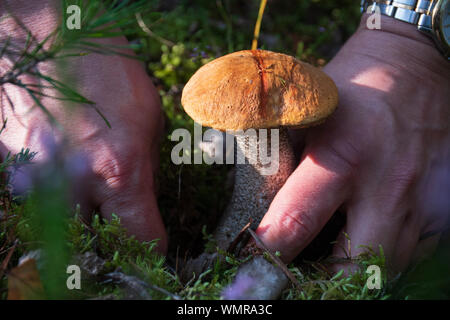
x=417, y=12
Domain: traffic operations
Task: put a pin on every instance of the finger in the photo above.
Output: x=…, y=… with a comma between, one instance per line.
x=368, y=227
x=433, y=204
x=139, y=214
x=407, y=242
x=132, y=198
x=305, y=203
x=425, y=248
x=429, y=236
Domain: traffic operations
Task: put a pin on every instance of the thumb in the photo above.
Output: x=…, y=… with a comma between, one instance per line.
x=132, y=198
x=305, y=203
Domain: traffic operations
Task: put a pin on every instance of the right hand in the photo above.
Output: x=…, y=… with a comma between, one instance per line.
x=384, y=155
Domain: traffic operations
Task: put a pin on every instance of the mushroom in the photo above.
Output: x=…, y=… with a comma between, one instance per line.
x=257, y=89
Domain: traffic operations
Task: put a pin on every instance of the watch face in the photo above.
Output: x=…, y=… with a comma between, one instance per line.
x=441, y=26
x=445, y=22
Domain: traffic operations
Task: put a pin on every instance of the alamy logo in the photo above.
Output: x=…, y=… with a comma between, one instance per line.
x=256, y=147
x=73, y=20
x=374, y=280
x=374, y=19
x=74, y=280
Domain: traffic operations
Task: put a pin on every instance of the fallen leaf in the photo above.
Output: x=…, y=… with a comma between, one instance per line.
x=24, y=282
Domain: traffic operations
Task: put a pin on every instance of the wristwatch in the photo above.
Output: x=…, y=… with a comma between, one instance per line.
x=432, y=17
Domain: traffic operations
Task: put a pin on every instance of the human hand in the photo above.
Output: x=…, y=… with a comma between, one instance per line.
x=122, y=159
x=384, y=156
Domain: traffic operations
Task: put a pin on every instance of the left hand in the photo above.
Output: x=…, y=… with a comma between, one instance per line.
x=123, y=159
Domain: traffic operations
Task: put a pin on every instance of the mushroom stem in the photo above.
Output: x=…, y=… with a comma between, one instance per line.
x=254, y=188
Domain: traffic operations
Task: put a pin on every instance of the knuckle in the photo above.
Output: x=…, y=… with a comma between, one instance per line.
x=393, y=192
x=300, y=227
x=119, y=169
x=113, y=172
x=400, y=179
x=342, y=155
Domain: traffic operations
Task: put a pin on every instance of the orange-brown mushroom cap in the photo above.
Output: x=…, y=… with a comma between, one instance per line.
x=258, y=89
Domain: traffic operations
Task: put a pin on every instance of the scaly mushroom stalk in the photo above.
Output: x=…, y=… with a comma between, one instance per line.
x=254, y=189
